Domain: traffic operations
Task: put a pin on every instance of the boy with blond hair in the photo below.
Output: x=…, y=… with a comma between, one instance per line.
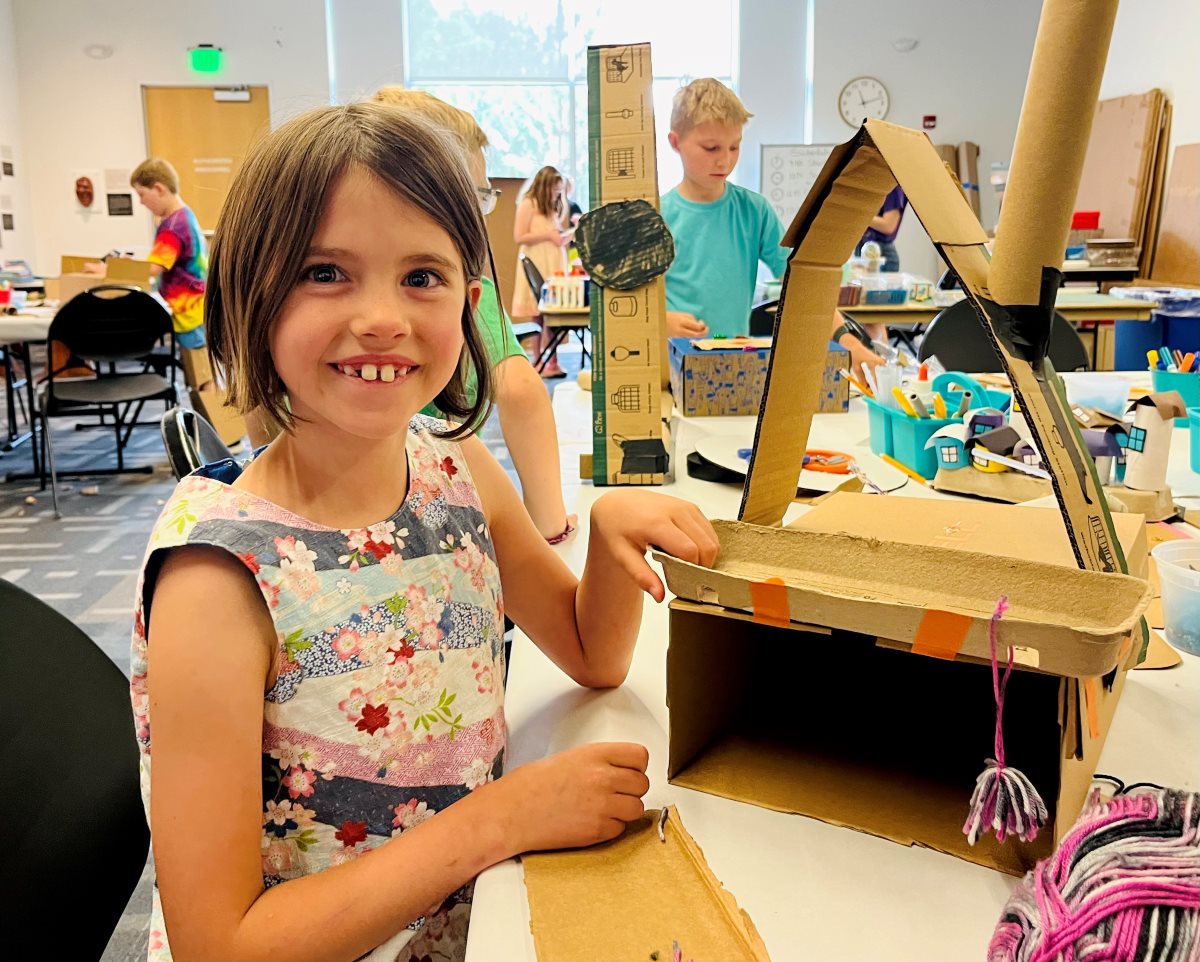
x=526, y=417
x=178, y=259
x=721, y=230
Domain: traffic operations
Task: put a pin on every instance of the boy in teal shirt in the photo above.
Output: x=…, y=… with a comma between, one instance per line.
x=721, y=230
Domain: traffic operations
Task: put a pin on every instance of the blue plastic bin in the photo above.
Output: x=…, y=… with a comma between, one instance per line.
x=1132, y=339
x=898, y=436
x=1194, y=421
x=1187, y=384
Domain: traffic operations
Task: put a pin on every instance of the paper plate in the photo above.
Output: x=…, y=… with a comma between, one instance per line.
x=724, y=452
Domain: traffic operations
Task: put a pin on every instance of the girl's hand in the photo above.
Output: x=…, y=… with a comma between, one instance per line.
x=579, y=797
x=559, y=238
x=626, y=523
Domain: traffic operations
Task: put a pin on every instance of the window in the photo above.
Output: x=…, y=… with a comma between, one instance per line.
x=1137, y=439
x=521, y=70
x=949, y=453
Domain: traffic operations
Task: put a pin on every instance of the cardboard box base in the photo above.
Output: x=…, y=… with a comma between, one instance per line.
x=875, y=754
x=632, y=897
x=231, y=426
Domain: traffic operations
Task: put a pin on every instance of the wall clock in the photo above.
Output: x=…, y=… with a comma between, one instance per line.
x=863, y=98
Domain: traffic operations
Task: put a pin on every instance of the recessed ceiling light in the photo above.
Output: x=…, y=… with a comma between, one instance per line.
x=98, y=51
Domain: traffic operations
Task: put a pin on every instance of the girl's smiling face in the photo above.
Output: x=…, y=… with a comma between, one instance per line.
x=372, y=331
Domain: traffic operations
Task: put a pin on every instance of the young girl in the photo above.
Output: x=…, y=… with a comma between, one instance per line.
x=317, y=647
x=539, y=228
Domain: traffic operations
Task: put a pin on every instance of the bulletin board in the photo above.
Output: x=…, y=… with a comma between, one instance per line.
x=787, y=173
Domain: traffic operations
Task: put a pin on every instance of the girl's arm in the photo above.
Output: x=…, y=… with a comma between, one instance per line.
x=211, y=652
x=887, y=222
x=588, y=626
x=522, y=234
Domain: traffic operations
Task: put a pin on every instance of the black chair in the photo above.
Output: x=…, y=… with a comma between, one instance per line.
x=533, y=276
x=107, y=325
x=72, y=827
x=191, y=441
x=956, y=336
x=560, y=329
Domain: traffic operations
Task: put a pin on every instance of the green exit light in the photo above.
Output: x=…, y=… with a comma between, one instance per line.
x=205, y=58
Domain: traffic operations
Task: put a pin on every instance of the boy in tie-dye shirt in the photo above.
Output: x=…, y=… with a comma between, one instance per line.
x=180, y=254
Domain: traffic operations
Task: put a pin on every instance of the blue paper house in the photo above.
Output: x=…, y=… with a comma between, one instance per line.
x=950, y=446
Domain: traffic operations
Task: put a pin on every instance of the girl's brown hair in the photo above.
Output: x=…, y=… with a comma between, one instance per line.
x=541, y=193
x=270, y=216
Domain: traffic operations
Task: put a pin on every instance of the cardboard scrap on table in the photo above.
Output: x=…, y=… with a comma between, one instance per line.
x=1159, y=654
x=634, y=896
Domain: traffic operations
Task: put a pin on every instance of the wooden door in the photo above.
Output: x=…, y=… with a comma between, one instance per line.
x=500, y=233
x=205, y=139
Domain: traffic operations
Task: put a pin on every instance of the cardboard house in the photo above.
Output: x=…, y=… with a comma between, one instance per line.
x=1149, y=442
x=894, y=596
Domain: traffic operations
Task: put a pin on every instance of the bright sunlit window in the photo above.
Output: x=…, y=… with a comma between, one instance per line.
x=521, y=68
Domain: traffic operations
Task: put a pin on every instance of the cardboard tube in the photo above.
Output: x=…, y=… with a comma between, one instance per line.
x=1052, y=138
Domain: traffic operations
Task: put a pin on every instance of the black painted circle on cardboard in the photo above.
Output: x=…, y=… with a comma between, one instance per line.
x=624, y=245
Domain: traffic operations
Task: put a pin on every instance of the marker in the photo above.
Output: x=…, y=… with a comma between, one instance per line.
x=964, y=405
x=918, y=405
x=923, y=373
x=939, y=406
x=1167, y=361
x=1154, y=359
x=905, y=406
x=1187, y=362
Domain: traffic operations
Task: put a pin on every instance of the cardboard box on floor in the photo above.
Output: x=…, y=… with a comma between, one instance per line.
x=210, y=402
x=628, y=350
x=896, y=749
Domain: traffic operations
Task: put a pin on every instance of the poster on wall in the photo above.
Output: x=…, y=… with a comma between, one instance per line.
x=6, y=222
x=120, y=205
x=6, y=168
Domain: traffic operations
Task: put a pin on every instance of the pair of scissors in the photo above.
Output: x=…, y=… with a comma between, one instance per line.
x=829, y=462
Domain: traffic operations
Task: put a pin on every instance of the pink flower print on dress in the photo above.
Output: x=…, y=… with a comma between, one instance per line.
x=410, y=814
x=347, y=644
x=276, y=857
x=353, y=704
x=483, y=677
x=479, y=772
x=422, y=616
x=295, y=554
x=299, y=782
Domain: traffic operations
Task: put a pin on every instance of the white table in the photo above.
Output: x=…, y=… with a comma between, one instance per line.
x=28, y=325
x=815, y=892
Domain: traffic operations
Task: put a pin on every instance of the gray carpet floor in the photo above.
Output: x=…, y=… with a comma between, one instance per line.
x=85, y=564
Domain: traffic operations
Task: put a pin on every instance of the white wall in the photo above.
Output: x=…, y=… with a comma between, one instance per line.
x=368, y=46
x=969, y=70
x=17, y=243
x=1156, y=43
x=84, y=114
x=770, y=79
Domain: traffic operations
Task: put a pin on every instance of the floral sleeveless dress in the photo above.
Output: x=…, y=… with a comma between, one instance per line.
x=389, y=700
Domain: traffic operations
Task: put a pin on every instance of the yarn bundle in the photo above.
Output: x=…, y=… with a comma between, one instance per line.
x=1123, y=886
x=1004, y=800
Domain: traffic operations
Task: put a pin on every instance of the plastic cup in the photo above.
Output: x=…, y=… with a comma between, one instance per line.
x=1179, y=573
x=1108, y=394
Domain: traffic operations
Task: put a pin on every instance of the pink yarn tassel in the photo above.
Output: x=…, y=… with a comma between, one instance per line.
x=1004, y=799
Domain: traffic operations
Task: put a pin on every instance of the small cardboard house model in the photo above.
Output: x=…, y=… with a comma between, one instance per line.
x=949, y=443
x=981, y=420
x=903, y=619
x=1149, y=442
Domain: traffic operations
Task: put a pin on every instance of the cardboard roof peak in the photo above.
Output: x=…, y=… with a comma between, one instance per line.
x=1169, y=404
x=878, y=158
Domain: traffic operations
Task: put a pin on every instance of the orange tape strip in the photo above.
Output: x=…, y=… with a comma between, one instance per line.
x=1093, y=710
x=941, y=634
x=770, y=602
